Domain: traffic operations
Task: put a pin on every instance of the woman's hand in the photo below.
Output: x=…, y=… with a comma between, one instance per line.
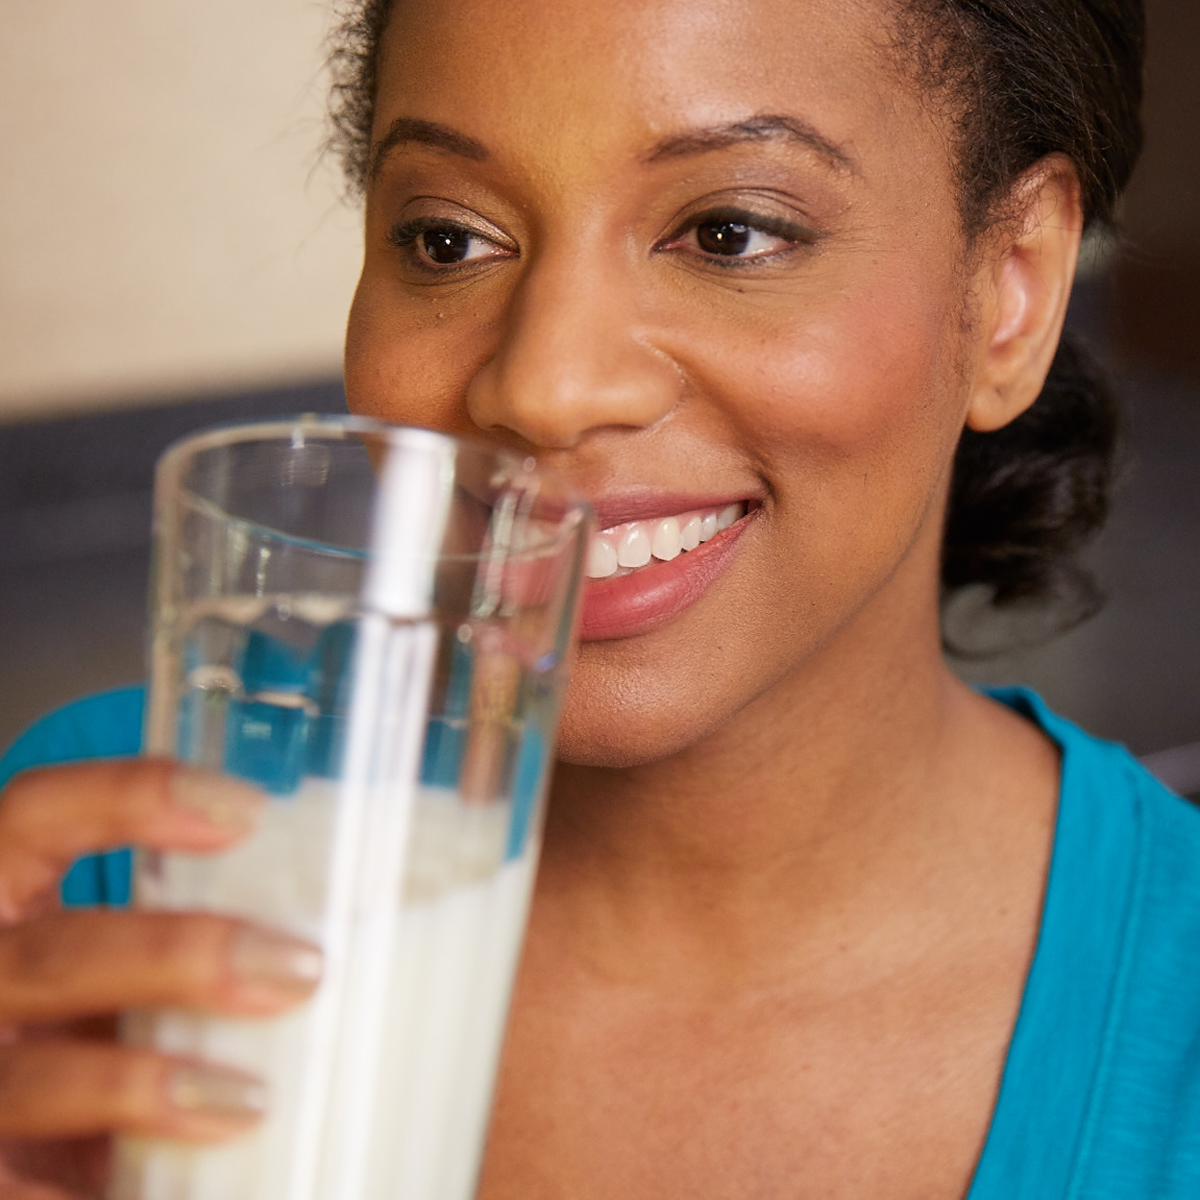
x=65, y=974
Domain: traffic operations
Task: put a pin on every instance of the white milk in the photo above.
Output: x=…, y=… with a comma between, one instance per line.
x=404, y=1116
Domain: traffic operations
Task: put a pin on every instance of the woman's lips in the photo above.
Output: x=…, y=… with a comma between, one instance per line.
x=679, y=568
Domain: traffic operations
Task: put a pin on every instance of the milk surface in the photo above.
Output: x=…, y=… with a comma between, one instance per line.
x=400, y=1114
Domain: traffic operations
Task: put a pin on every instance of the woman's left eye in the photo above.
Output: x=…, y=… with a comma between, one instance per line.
x=738, y=237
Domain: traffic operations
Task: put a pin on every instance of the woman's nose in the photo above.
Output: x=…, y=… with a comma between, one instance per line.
x=572, y=358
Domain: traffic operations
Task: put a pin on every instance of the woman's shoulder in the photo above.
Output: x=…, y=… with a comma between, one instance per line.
x=104, y=725
x=1145, y=1115
x=1102, y=1087
x=1102, y=773
x=1127, y=847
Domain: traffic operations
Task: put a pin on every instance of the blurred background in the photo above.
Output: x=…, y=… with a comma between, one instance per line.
x=174, y=252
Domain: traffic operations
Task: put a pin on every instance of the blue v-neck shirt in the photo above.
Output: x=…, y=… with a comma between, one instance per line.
x=1100, y=1097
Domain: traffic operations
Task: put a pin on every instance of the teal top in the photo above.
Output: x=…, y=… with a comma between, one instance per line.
x=1100, y=1097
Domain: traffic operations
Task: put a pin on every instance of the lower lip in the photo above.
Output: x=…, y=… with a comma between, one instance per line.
x=657, y=593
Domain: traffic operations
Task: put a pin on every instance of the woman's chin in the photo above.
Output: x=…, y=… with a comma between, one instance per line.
x=633, y=713
x=615, y=753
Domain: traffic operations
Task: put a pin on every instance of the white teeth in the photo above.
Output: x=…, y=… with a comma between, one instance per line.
x=634, y=548
x=728, y=515
x=602, y=559
x=666, y=542
x=632, y=545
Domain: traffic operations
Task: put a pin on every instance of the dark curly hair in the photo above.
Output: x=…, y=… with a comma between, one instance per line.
x=354, y=69
x=1032, y=78
x=1024, y=79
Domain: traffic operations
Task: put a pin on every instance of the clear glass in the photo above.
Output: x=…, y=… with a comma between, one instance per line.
x=373, y=624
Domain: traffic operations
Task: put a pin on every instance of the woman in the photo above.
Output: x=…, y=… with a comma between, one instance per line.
x=808, y=261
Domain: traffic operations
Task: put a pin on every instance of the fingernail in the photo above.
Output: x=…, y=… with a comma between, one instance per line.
x=224, y=801
x=276, y=959
x=216, y=1092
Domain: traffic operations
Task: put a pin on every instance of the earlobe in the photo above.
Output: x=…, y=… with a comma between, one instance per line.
x=1026, y=284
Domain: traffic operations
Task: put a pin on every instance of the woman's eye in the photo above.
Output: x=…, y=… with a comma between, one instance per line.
x=441, y=245
x=735, y=239
x=452, y=244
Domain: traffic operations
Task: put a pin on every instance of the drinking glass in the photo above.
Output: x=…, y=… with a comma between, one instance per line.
x=373, y=625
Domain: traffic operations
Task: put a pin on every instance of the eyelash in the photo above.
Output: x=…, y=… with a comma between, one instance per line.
x=797, y=235
x=404, y=233
x=403, y=236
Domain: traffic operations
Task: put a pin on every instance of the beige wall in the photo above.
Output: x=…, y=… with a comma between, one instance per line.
x=165, y=226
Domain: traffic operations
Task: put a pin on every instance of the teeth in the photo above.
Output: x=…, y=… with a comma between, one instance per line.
x=665, y=544
x=632, y=545
x=634, y=550
x=602, y=559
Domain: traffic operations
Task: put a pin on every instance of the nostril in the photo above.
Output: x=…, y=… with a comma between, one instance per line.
x=569, y=362
x=554, y=409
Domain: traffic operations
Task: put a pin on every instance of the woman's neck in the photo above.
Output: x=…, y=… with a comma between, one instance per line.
x=841, y=807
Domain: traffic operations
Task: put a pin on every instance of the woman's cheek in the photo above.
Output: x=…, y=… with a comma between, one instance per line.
x=409, y=359
x=852, y=409
x=868, y=366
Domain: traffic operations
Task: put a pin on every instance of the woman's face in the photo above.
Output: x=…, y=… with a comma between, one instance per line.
x=698, y=253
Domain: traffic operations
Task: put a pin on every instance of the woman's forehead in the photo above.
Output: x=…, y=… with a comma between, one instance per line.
x=639, y=72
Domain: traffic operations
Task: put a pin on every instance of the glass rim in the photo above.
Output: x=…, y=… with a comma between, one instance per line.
x=573, y=509
x=337, y=426
x=341, y=426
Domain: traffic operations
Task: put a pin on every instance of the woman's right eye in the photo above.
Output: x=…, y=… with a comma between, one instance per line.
x=434, y=245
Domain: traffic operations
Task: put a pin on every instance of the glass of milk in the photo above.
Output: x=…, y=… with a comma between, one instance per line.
x=372, y=624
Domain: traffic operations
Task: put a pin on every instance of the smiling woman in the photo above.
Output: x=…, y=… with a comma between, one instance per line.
x=780, y=285
x=696, y=298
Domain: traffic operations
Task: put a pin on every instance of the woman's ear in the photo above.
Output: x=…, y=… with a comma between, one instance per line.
x=1024, y=284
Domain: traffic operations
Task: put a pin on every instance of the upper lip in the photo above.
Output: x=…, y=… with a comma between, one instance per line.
x=617, y=509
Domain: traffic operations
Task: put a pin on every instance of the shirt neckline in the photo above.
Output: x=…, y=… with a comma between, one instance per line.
x=1042, y=1122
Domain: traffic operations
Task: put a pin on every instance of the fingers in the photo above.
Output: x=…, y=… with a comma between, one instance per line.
x=51, y=816
x=32, y=1191
x=74, y=963
x=86, y=962
x=77, y=1166
x=76, y=1089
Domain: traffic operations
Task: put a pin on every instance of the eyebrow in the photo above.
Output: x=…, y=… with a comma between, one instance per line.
x=766, y=127
x=404, y=130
